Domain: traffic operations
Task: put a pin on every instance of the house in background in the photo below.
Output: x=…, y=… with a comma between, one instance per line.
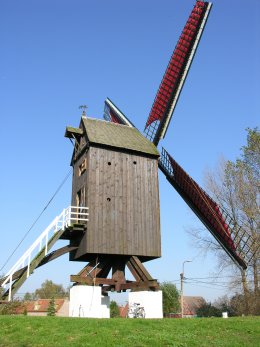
x=191, y=304
x=40, y=307
x=190, y=307
x=123, y=311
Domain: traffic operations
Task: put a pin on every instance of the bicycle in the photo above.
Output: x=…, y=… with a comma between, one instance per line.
x=136, y=311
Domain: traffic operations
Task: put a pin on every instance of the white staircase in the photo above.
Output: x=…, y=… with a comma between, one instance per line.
x=39, y=249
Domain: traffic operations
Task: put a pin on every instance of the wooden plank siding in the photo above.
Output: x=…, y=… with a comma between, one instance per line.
x=121, y=191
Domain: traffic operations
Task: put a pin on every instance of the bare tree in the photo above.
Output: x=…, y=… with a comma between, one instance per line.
x=235, y=186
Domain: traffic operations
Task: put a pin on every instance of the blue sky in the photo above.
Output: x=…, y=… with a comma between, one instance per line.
x=57, y=55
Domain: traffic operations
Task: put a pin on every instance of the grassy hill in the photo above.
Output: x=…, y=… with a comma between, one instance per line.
x=53, y=331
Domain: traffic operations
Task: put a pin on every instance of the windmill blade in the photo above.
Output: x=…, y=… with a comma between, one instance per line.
x=236, y=241
x=176, y=73
x=114, y=115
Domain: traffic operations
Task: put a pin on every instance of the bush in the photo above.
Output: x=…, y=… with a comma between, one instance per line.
x=51, y=310
x=114, y=310
x=208, y=310
x=10, y=307
x=171, y=302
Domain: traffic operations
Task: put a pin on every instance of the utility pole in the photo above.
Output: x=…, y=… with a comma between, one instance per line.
x=182, y=281
x=182, y=277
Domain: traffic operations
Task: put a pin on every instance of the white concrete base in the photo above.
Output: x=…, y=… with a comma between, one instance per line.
x=88, y=302
x=150, y=301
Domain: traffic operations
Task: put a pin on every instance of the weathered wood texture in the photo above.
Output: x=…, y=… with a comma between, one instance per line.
x=121, y=191
x=97, y=271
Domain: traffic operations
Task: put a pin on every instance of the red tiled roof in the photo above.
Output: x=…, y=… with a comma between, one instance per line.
x=123, y=310
x=40, y=305
x=191, y=304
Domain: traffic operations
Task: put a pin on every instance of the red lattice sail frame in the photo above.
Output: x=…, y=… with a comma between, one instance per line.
x=176, y=72
x=235, y=241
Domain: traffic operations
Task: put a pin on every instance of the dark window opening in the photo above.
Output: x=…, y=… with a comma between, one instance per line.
x=83, y=167
x=80, y=202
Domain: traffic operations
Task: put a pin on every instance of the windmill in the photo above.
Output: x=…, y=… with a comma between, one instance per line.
x=114, y=219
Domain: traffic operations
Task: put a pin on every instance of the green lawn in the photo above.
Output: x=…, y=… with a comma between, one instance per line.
x=53, y=331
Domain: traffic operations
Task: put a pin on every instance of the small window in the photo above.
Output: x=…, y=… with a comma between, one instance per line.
x=82, y=167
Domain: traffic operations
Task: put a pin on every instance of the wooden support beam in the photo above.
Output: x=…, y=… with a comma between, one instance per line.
x=141, y=268
x=86, y=271
x=105, y=270
x=92, y=281
x=118, y=274
x=97, y=270
x=56, y=254
x=152, y=285
x=138, y=270
x=133, y=271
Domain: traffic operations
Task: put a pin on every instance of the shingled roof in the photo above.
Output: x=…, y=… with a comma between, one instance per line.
x=40, y=305
x=118, y=136
x=191, y=304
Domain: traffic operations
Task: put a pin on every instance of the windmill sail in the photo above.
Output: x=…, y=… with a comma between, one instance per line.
x=234, y=240
x=114, y=115
x=176, y=73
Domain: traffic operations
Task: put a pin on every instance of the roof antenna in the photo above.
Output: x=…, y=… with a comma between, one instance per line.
x=83, y=108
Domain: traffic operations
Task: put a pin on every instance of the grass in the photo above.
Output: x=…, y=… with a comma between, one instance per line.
x=25, y=331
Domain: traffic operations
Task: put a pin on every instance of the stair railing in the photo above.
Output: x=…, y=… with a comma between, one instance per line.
x=69, y=216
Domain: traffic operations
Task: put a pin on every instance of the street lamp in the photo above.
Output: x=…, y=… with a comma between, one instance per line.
x=182, y=279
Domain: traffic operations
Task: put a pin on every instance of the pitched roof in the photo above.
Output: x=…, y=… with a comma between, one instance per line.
x=40, y=305
x=117, y=135
x=191, y=304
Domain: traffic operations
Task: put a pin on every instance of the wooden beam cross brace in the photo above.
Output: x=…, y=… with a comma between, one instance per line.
x=97, y=270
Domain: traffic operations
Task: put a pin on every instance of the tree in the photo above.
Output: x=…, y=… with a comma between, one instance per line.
x=250, y=203
x=10, y=308
x=239, y=303
x=171, y=296
x=25, y=312
x=114, y=310
x=50, y=290
x=29, y=296
x=51, y=310
x=236, y=305
x=224, y=304
x=208, y=310
x=235, y=186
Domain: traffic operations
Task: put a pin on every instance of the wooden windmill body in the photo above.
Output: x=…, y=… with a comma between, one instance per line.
x=115, y=174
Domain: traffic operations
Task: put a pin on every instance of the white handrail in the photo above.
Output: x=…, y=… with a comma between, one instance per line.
x=67, y=217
